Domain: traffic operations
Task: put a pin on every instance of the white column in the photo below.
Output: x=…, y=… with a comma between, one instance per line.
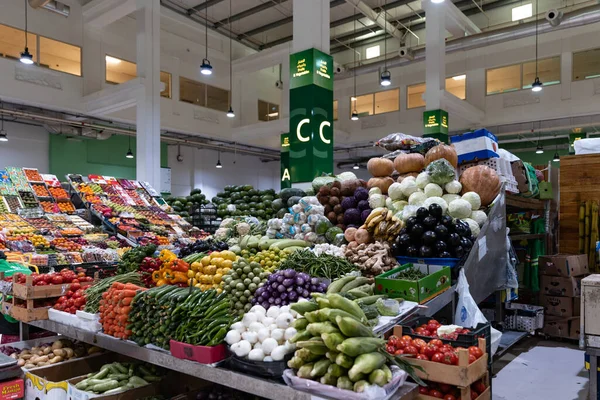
x=311, y=25
x=435, y=54
x=566, y=74
x=148, y=105
x=93, y=62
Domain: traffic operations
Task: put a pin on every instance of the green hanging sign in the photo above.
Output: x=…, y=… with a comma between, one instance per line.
x=286, y=179
x=311, y=115
x=435, y=124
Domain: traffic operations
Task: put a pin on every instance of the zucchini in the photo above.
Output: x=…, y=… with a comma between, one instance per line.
x=357, y=293
x=338, y=284
x=361, y=280
x=369, y=299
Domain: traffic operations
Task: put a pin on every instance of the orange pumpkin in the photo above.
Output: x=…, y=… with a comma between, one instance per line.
x=482, y=180
x=413, y=162
x=379, y=166
x=382, y=183
x=442, y=151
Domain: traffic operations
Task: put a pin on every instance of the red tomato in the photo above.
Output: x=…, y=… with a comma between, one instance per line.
x=450, y=358
x=423, y=390
x=474, y=395
x=42, y=283
x=419, y=343
x=422, y=357
x=70, y=303
x=406, y=337
x=446, y=348
x=75, y=286
x=432, y=327
x=436, y=342
x=449, y=397
x=419, y=330
x=47, y=278
x=405, y=343
x=398, y=352
x=79, y=302
x=437, y=394
x=393, y=340
x=426, y=332
x=390, y=349
x=61, y=299
x=411, y=350
x=433, y=321
x=430, y=350
x=472, y=359
x=476, y=351
x=479, y=387
x=57, y=280
x=444, y=388
x=437, y=357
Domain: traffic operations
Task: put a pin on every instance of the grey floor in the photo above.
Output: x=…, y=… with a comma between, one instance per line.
x=537, y=369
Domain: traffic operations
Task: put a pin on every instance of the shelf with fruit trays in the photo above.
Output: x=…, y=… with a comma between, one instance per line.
x=33, y=176
x=28, y=199
x=40, y=190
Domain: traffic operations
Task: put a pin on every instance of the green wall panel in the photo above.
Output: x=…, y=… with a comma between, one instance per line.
x=101, y=157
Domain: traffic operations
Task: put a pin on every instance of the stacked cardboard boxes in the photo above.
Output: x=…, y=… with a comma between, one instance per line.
x=560, y=291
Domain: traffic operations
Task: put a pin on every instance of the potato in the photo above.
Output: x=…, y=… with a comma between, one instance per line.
x=93, y=350
x=43, y=359
x=25, y=351
x=41, y=364
x=34, y=349
x=21, y=362
x=29, y=366
x=57, y=345
x=59, y=352
x=26, y=356
x=39, y=353
x=55, y=360
x=47, y=350
x=33, y=359
x=69, y=351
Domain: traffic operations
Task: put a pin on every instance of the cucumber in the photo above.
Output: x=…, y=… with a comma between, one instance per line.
x=370, y=299
x=361, y=280
x=357, y=293
x=338, y=284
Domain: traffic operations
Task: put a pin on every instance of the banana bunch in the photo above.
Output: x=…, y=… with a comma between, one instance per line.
x=383, y=224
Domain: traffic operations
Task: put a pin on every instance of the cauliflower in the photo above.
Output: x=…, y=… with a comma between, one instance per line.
x=222, y=233
x=243, y=229
x=227, y=223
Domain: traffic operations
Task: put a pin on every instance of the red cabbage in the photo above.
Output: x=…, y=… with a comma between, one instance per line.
x=361, y=194
x=348, y=203
x=352, y=216
x=365, y=214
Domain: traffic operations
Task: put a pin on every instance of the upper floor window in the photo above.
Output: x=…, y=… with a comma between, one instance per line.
x=201, y=94
x=121, y=71
x=376, y=103
x=373, y=52
x=586, y=65
x=46, y=52
x=522, y=12
x=267, y=111
x=520, y=76
x=457, y=85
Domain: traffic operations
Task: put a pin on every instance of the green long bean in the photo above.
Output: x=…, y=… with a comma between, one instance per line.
x=322, y=266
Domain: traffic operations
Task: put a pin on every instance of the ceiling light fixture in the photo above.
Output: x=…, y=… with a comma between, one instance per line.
x=386, y=76
x=3, y=134
x=556, y=157
x=230, y=113
x=219, y=165
x=356, y=166
x=437, y=1
x=536, y=86
x=539, y=149
x=129, y=152
x=26, y=57
x=354, y=116
x=206, y=68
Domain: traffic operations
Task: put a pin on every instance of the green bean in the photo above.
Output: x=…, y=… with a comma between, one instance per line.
x=323, y=266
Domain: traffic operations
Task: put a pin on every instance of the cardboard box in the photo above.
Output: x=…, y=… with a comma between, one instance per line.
x=575, y=328
x=564, y=265
x=520, y=174
x=561, y=306
x=473, y=146
x=436, y=281
x=12, y=389
x=50, y=382
x=560, y=286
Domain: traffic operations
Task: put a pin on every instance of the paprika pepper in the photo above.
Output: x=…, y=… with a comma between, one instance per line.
x=179, y=277
x=180, y=266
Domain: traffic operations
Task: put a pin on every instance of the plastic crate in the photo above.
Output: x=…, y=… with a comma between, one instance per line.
x=464, y=340
x=272, y=370
x=200, y=354
x=523, y=317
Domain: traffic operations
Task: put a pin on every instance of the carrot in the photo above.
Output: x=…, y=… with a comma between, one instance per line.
x=128, y=332
x=118, y=286
x=126, y=301
x=128, y=293
x=131, y=286
x=126, y=310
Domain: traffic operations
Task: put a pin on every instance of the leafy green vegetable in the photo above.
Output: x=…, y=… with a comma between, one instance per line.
x=440, y=171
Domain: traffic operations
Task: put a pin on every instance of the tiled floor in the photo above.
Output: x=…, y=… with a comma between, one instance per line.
x=537, y=369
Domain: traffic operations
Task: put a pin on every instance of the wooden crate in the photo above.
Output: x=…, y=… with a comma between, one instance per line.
x=465, y=392
x=28, y=291
x=578, y=182
x=461, y=375
x=27, y=313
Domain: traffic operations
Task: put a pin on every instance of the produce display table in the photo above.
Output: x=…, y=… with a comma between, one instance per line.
x=222, y=376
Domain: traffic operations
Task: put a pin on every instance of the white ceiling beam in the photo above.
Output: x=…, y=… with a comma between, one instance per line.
x=457, y=23
x=378, y=18
x=113, y=99
x=263, y=59
x=100, y=13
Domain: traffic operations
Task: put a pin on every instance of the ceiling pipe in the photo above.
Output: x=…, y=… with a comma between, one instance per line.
x=585, y=16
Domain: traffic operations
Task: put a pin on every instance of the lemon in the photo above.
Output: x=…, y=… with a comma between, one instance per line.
x=205, y=260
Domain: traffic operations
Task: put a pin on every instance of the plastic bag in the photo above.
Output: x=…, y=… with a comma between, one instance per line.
x=372, y=392
x=468, y=314
x=400, y=141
